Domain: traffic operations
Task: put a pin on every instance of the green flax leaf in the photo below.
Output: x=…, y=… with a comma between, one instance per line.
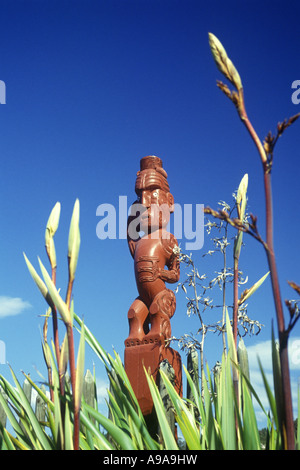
x=38, y=429
x=56, y=298
x=40, y=284
x=80, y=369
x=68, y=430
x=169, y=440
x=248, y=292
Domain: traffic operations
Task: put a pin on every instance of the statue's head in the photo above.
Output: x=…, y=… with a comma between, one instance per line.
x=153, y=193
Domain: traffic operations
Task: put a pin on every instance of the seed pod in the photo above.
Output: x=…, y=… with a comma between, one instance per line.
x=223, y=62
x=74, y=241
x=241, y=200
x=51, y=228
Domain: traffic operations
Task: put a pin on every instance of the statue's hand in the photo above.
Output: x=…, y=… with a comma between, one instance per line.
x=166, y=275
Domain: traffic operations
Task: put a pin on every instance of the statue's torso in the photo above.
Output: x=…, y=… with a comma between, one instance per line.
x=151, y=255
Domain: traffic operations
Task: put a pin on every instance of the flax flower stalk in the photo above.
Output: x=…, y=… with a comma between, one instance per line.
x=73, y=249
x=287, y=427
x=51, y=228
x=73, y=252
x=223, y=63
x=63, y=308
x=241, y=201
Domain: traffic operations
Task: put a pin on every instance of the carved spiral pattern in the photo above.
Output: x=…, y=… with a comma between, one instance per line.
x=167, y=302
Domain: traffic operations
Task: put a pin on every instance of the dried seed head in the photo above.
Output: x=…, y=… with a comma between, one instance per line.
x=294, y=286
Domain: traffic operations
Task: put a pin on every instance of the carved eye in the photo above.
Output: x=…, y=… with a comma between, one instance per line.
x=155, y=194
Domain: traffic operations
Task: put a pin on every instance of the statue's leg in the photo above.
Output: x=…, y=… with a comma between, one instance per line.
x=161, y=310
x=138, y=327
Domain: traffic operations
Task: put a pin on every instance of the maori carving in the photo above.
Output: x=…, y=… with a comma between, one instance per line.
x=154, y=254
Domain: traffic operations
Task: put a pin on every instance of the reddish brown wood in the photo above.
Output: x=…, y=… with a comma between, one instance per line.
x=150, y=356
x=155, y=263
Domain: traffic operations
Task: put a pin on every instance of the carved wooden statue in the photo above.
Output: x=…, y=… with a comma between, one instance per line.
x=152, y=253
x=155, y=263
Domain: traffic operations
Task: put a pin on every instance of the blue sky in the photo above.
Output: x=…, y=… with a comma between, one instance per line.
x=92, y=87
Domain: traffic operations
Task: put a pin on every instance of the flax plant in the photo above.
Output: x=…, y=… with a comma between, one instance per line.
x=214, y=419
x=51, y=228
x=265, y=150
x=47, y=286
x=212, y=427
x=241, y=201
x=220, y=417
x=198, y=288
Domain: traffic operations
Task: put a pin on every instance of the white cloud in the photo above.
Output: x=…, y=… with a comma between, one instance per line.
x=10, y=306
x=263, y=350
x=102, y=387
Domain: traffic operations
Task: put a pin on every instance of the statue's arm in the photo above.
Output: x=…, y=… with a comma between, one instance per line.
x=172, y=274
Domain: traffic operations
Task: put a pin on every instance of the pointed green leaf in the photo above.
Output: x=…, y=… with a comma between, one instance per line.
x=270, y=395
x=232, y=353
x=184, y=416
x=238, y=244
x=41, y=285
x=277, y=381
x=80, y=370
x=7, y=443
x=250, y=435
x=93, y=342
x=38, y=429
x=12, y=393
x=56, y=298
x=68, y=430
x=228, y=406
x=64, y=355
x=248, y=292
x=117, y=434
x=120, y=394
x=97, y=436
x=167, y=434
x=243, y=358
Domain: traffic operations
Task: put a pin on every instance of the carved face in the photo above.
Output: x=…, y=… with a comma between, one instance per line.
x=157, y=202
